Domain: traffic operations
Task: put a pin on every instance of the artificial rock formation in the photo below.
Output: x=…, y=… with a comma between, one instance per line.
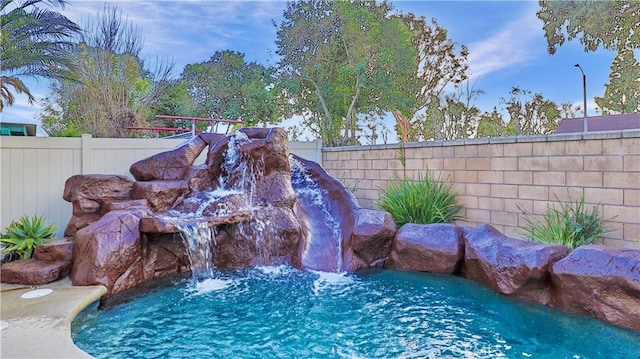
x=601, y=282
x=434, y=248
x=130, y=232
x=510, y=266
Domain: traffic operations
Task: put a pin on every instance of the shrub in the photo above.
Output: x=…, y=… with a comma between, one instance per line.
x=24, y=235
x=572, y=225
x=426, y=200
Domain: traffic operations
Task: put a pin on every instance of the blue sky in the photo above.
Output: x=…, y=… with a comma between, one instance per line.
x=505, y=39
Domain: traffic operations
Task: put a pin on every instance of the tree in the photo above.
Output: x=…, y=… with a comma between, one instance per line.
x=438, y=66
x=530, y=114
x=622, y=93
x=452, y=116
x=341, y=60
x=114, y=89
x=228, y=87
x=34, y=43
x=492, y=125
x=612, y=25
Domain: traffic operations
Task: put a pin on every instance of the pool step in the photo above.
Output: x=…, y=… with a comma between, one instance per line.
x=51, y=261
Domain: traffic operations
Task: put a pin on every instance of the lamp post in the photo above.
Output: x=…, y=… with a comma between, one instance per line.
x=585, y=128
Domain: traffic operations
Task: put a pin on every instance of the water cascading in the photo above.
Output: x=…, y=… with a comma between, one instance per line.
x=237, y=179
x=323, y=250
x=199, y=240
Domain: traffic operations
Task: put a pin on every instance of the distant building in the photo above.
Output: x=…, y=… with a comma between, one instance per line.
x=22, y=128
x=627, y=121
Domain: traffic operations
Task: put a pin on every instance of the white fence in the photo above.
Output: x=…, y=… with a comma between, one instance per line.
x=33, y=170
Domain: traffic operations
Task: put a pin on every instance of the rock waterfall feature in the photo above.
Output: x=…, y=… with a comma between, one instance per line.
x=261, y=206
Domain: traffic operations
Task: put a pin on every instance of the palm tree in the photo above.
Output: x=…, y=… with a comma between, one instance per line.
x=34, y=42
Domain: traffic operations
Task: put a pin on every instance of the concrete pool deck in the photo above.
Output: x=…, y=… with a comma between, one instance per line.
x=41, y=327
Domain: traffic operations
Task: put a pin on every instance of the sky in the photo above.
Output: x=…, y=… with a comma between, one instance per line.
x=505, y=40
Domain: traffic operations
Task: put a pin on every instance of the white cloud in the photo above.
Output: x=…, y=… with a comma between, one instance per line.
x=509, y=46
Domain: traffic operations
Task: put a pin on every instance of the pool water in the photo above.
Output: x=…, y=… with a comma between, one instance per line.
x=282, y=312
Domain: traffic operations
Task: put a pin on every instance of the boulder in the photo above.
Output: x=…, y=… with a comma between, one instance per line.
x=55, y=250
x=169, y=165
x=78, y=222
x=372, y=235
x=110, y=252
x=271, y=237
x=119, y=205
x=435, y=248
x=161, y=195
x=88, y=192
x=33, y=271
x=163, y=224
x=510, y=266
x=165, y=256
x=601, y=282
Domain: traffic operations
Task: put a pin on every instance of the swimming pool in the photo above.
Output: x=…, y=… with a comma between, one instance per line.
x=282, y=312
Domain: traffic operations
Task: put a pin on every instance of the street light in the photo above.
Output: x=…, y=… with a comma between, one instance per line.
x=584, y=96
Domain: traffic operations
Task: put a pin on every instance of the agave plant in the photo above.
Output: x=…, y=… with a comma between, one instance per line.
x=22, y=236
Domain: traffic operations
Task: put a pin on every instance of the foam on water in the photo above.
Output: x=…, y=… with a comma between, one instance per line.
x=331, y=281
x=210, y=285
x=278, y=270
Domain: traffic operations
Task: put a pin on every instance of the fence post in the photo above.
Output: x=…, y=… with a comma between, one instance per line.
x=86, y=154
x=319, y=151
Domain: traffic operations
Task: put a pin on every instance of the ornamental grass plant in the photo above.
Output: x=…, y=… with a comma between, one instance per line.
x=422, y=201
x=572, y=225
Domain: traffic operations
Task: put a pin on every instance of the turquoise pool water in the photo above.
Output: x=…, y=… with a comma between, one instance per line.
x=281, y=312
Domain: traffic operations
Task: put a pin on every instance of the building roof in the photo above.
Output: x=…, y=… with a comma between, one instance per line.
x=627, y=121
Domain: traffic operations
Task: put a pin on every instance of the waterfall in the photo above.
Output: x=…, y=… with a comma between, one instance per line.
x=199, y=240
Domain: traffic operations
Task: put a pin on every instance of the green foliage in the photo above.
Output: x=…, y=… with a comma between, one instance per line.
x=438, y=65
x=622, y=93
x=34, y=42
x=610, y=24
x=427, y=200
x=572, y=225
x=112, y=89
x=23, y=235
x=228, y=87
x=530, y=114
x=341, y=60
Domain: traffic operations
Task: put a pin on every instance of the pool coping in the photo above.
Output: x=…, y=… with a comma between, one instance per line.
x=41, y=327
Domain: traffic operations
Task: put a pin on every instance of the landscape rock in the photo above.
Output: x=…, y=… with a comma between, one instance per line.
x=77, y=222
x=372, y=235
x=88, y=192
x=109, y=252
x=601, y=282
x=33, y=271
x=510, y=266
x=161, y=195
x=169, y=165
x=434, y=248
x=55, y=250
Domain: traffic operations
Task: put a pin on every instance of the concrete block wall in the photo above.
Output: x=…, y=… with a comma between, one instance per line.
x=499, y=178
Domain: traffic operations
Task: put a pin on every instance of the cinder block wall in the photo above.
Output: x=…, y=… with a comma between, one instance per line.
x=498, y=176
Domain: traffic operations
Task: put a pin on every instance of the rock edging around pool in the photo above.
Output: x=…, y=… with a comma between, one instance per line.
x=592, y=280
